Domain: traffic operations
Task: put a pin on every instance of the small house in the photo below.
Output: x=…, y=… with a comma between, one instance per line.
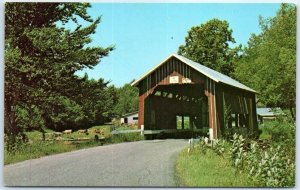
x=267, y=114
x=130, y=118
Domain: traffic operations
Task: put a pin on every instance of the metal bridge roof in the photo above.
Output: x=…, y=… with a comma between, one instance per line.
x=210, y=73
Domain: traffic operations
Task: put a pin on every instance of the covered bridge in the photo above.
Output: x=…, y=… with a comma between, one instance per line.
x=179, y=90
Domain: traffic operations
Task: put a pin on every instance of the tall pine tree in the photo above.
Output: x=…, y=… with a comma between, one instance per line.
x=41, y=58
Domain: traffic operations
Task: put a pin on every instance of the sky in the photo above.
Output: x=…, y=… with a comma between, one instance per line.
x=145, y=34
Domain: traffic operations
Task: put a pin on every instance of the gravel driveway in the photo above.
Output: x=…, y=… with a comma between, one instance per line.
x=143, y=163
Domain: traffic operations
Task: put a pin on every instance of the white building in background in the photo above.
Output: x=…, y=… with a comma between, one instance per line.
x=130, y=118
x=265, y=114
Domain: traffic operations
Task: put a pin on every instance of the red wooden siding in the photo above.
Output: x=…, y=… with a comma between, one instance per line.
x=161, y=76
x=217, y=95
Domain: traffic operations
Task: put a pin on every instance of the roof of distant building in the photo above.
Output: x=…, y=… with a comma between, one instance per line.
x=130, y=114
x=269, y=111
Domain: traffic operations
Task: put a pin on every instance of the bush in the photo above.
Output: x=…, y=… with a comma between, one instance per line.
x=237, y=151
x=219, y=147
x=278, y=131
x=203, y=146
x=229, y=132
x=281, y=132
x=268, y=163
x=125, y=137
x=271, y=167
x=207, y=170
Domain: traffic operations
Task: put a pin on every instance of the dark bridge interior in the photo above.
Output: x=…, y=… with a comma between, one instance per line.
x=169, y=102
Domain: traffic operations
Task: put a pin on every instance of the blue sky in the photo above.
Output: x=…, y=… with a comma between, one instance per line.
x=145, y=34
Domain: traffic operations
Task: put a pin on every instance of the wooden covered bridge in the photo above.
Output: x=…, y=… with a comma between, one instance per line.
x=179, y=90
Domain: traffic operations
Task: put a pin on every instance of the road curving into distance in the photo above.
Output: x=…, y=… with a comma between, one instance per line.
x=142, y=163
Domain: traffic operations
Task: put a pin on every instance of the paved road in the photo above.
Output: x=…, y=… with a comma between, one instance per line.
x=143, y=163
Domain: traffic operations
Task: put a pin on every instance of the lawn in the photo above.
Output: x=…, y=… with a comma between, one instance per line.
x=126, y=127
x=36, y=147
x=197, y=169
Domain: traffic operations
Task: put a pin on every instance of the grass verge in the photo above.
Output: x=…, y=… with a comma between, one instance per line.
x=36, y=148
x=41, y=148
x=196, y=169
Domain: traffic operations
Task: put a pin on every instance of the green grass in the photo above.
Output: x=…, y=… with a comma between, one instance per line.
x=125, y=137
x=36, y=148
x=126, y=127
x=210, y=170
x=265, y=135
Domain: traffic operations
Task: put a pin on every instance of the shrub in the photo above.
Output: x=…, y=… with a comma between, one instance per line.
x=126, y=137
x=203, y=146
x=269, y=167
x=278, y=131
x=219, y=147
x=237, y=151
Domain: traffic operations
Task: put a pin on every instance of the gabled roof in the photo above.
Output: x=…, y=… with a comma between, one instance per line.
x=266, y=112
x=130, y=114
x=210, y=73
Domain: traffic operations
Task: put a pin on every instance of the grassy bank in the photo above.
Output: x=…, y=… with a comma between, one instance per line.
x=196, y=169
x=243, y=162
x=36, y=147
x=39, y=149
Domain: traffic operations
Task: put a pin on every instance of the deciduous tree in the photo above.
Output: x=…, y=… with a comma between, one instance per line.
x=127, y=100
x=208, y=44
x=268, y=63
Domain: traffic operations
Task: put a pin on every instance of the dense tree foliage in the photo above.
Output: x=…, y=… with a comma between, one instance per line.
x=208, y=44
x=97, y=100
x=41, y=58
x=268, y=63
x=127, y=101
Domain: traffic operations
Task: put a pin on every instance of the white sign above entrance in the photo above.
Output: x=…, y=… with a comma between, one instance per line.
x=174, y=79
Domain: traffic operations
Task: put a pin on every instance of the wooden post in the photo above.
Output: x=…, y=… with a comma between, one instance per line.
x=220, y=111
x=253, y=116
x=141, y=110
x=210, y=93
x=182, y=122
